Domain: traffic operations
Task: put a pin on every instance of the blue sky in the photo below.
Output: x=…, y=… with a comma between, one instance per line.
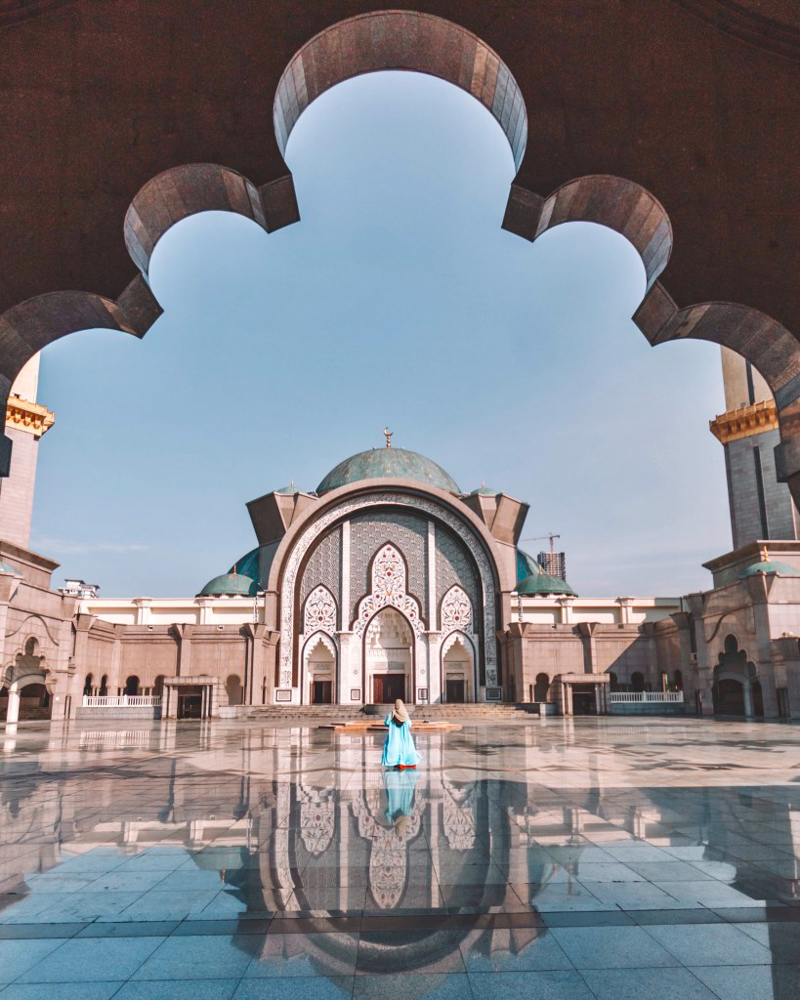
x=397, y=300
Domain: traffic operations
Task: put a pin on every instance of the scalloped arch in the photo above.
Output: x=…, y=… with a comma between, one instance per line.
x=401, y=40
x=419, y=42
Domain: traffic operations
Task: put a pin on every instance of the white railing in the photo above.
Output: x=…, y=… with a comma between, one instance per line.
x=122, y=701
x=640, y=697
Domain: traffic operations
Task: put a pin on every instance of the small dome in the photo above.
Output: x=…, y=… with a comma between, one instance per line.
x=230, y=585
x=484, y=491
x=5, y=568
x=768, y=567
x=544, y=583
x=388, y=463
x=247, y=565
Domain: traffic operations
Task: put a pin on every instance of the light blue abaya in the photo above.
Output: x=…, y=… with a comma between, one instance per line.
x=399, y=747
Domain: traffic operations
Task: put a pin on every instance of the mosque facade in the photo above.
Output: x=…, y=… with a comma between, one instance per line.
x=389, y=581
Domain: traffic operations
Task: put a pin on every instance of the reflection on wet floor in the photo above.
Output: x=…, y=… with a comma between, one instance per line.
x=586, y=859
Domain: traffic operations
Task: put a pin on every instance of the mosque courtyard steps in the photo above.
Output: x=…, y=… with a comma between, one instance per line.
x=331, y=714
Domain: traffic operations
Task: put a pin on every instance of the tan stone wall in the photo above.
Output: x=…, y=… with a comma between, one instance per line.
x=16, y=492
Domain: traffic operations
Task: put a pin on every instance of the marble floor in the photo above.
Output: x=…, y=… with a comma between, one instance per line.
x=580, y=859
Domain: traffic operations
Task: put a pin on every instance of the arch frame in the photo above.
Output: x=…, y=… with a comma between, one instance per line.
x=309, y=644
x=419, y=643
x=471, y=647
x=348, y=500
x=374, y=41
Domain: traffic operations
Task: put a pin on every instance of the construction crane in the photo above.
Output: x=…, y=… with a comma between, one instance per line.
x=541, y=538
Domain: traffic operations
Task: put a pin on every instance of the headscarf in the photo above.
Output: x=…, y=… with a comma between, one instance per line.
x=400, y=713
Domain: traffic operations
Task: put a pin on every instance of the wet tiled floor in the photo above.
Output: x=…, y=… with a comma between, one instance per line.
x=593, y=858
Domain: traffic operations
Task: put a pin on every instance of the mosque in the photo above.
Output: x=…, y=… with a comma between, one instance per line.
x=390, y=581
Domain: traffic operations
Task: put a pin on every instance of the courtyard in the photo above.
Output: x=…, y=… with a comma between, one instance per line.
x=573, y=858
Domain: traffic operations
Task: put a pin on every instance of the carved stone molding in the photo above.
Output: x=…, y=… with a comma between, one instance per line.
x=33, y=418
x=745, y=421
x=388, y=590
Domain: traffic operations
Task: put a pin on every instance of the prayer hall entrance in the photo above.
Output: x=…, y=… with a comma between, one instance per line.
x=321, y=692
x=387, y=688
x=455, y=691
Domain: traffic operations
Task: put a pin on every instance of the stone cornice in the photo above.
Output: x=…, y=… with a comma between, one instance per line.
x=33, y=418
x=745, y=421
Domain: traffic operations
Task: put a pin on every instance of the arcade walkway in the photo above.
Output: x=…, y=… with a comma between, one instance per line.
x=578, y=859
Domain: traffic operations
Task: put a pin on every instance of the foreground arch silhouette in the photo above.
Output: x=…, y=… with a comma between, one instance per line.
x=408, y=40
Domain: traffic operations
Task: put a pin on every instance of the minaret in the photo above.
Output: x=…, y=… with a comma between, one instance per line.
x=761, y=507
x=26, y=422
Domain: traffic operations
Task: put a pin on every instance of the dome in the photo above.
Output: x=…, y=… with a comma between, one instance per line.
x=230, y=585
x=246, y=566
x=544, y=583
x=388, y=463
x=5, y=568
x=526, y=565
x=767, y=566
x=484, y=491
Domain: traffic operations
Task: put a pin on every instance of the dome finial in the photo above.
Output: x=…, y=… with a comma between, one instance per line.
x=764, y=554
x=388, y=435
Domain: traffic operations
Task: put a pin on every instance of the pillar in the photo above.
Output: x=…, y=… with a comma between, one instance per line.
x=747, y=687
x=142, y=605
x=13, y=704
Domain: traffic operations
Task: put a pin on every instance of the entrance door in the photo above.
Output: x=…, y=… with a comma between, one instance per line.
x=387, y=688
x=455, y=690
x=583, y=699
x=190, y=703
x=322, y=693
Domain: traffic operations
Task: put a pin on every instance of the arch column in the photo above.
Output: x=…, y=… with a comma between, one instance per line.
x=348, y=681
x=12, y=717
x=747, y=689
x=435, y=689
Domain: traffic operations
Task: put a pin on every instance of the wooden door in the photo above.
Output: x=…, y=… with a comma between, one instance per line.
x=387, y=688
x=322, y=693
x=455, y=690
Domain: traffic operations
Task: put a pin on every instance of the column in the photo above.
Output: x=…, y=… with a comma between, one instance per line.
x=13, y=704
x=348, y=658
x=433, y=611
x=565, y=603
x=344, y=610
x=748, y=699
x=204, y=606
x=625, y=605
x=142, y=605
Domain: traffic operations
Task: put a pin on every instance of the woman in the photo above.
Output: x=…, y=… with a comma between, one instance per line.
x=399, y=750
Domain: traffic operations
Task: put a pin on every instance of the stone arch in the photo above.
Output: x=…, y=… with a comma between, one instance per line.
x=36, y=628
x=733, y=680
x=411, y=671
x=286, y=566
x=388, y=576
x=613, y=202
x=307, y=675
x=320, y=611
x=401, y=40
x=415, y=41
x=468, y=676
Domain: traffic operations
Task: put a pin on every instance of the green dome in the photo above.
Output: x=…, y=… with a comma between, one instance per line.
x=246, y=566
x=781, y=568
x=5, y=568
x=484, y=491
x=230, y=584
x=544, y=583
x=388, y=463
x=526, y=565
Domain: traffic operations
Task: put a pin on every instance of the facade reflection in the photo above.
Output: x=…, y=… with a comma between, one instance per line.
x=339, y=838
